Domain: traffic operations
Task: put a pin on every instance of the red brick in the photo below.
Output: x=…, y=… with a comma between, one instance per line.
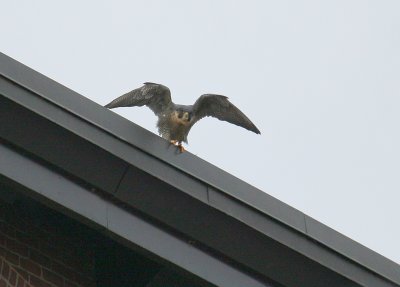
x=21, y=282
x=5, y=272
x=17, y=247
x=83, y=280
x=22, y=273
x=39, y=258
x=62, y=270
x=9, y=256
x=50, y=229
x=3, y=209
x=70, y=284
x=78, y=262
x=13, y=277
x=37, y=282
x=2, y=240
x=31, y=266
x=3, y=283
x=53, y=277
x=68, y=260
x=34, y=232
x=7, y=229
x=27, y=239
x=49, y=250
x=17, y=222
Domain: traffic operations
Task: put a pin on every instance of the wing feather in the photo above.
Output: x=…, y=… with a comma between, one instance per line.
x=155, y=96
x=217, y=106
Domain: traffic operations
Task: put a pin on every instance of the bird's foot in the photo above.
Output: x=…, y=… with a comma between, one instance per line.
x=178, y=144
x=181, y=148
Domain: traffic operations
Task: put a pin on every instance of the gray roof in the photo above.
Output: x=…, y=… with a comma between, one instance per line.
x=233, y=233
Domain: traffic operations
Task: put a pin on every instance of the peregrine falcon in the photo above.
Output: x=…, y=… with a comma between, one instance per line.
x=175, y=121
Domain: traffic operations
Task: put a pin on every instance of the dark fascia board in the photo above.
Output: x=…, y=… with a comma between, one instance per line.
x=104, y=128
x=48, y=187
x=134, y=135
x=193, y=213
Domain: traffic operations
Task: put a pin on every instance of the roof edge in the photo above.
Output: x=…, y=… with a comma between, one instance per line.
x=126, y=132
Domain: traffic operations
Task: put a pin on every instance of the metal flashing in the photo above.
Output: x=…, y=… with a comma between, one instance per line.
x=234, y=226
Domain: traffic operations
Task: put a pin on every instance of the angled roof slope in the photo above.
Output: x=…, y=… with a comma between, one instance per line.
x=242, y=232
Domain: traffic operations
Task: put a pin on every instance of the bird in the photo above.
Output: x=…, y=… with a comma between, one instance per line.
x=175, y=121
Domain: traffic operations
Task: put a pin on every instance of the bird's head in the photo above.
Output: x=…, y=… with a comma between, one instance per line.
x=185, y=116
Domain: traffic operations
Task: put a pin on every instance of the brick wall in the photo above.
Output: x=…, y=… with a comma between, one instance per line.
x=39, y=248
x=10, y=277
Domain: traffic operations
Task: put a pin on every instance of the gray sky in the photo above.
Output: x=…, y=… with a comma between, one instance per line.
x=320, y=79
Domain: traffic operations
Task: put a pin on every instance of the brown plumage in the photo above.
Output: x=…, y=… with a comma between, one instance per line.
x=175, y=121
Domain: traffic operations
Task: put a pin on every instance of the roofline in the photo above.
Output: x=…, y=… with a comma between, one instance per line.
x=111, y=219
x=128, y=146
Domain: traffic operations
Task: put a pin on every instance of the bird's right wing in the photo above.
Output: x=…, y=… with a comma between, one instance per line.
x=155, y=96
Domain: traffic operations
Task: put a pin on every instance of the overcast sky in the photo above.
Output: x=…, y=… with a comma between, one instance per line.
x=320, y=79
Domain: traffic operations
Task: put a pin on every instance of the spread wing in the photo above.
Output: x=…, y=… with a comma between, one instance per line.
x=155, y=96
x=220, y=107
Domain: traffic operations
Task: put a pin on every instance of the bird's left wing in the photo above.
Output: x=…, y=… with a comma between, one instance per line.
x=221, y=108
x=155, y=96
